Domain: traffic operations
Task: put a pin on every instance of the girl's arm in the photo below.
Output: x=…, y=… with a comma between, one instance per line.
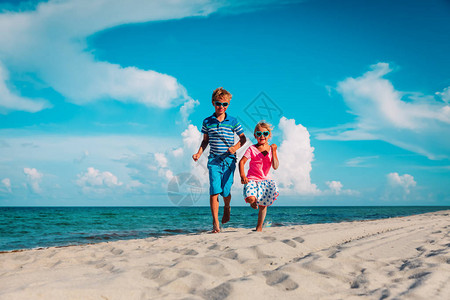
x=275, y=162
x=203, y=146
x=244, y=179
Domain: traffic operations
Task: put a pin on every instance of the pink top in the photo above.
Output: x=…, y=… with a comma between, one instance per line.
x=259, y=164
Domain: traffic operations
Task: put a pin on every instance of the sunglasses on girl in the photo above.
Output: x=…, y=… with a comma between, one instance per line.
x=224, y=104
x=259, y=133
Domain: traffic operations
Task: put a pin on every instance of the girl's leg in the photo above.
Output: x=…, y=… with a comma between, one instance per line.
x=252, y=201
x=261, y=216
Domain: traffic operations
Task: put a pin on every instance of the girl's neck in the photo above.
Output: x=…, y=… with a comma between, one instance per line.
x=261, y=145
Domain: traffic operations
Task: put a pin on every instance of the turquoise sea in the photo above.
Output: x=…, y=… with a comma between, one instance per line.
x=35, y=227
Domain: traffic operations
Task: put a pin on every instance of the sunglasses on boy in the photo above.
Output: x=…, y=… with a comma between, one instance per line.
x=224, y=104
x=259, y=133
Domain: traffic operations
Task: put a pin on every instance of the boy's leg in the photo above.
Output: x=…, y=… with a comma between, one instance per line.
x=215, y=174
x=229, y=165
x=226, y=209
x=261, y=216
x=214, y=204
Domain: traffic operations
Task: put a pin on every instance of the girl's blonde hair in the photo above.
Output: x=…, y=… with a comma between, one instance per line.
x=264, y=124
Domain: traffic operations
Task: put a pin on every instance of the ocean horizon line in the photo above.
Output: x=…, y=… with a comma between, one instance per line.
x=206, y=206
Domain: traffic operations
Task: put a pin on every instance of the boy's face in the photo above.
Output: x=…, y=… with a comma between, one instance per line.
x=221, y=105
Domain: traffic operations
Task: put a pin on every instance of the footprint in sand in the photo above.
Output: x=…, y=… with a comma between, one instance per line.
x=185, y=251
x=410, y=264
x=152, y=273
x=360, y=280
x=436, y=252
x=231, y=254
x=334, y=251
x=290, y=243
x=191, y=252
x=280, y=280
x=56, y=263
x=109, y=267
x=116, y=251
x=215, y=247
x=419, y=278
x=269, y=238
x=298, y=239
x=385, y=294
x=219, y=292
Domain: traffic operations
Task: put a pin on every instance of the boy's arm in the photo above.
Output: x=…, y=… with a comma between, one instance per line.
x=242, y=140
x=202, y=148
x=244, y=179
x=275, y=163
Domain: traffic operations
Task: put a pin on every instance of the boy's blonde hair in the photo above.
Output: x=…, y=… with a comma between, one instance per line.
x=264, y=124
x=221, y=94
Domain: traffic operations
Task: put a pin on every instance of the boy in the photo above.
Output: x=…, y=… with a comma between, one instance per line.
x=218, y=131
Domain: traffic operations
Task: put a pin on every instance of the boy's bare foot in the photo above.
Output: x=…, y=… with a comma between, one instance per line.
x=226, y=214
x=216, y=228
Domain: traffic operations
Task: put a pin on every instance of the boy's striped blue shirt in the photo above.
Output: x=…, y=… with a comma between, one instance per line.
x=221, y=134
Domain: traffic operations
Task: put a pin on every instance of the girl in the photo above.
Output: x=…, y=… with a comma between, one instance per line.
x=259, y=189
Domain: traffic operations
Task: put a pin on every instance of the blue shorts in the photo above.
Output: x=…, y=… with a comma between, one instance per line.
x=221, y=173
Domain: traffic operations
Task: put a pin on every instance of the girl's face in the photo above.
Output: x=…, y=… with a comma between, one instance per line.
x=262, y=135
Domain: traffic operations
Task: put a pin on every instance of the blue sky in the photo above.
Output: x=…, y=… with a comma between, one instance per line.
x=101, y=102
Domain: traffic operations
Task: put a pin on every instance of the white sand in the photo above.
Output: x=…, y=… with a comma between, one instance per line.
x=399, y=258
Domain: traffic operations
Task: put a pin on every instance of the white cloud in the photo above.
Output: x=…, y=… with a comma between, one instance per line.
x=192, y=138
x=96, y=181
x=161, y=159
x=154, y=170
x=360, y=161
x=7, y=185
x=186, y=109
x=133, y=184
x=82, y=158
x=445, y=94
x=296, y=156
x=406, y=181
x=34, y=178
x=53, y=156
x=178, y=152
x=408, y=120
x=336, y=188
x=50, y=41
x=11, y=102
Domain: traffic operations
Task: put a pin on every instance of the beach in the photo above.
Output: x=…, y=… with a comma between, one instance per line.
x=396, y=258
